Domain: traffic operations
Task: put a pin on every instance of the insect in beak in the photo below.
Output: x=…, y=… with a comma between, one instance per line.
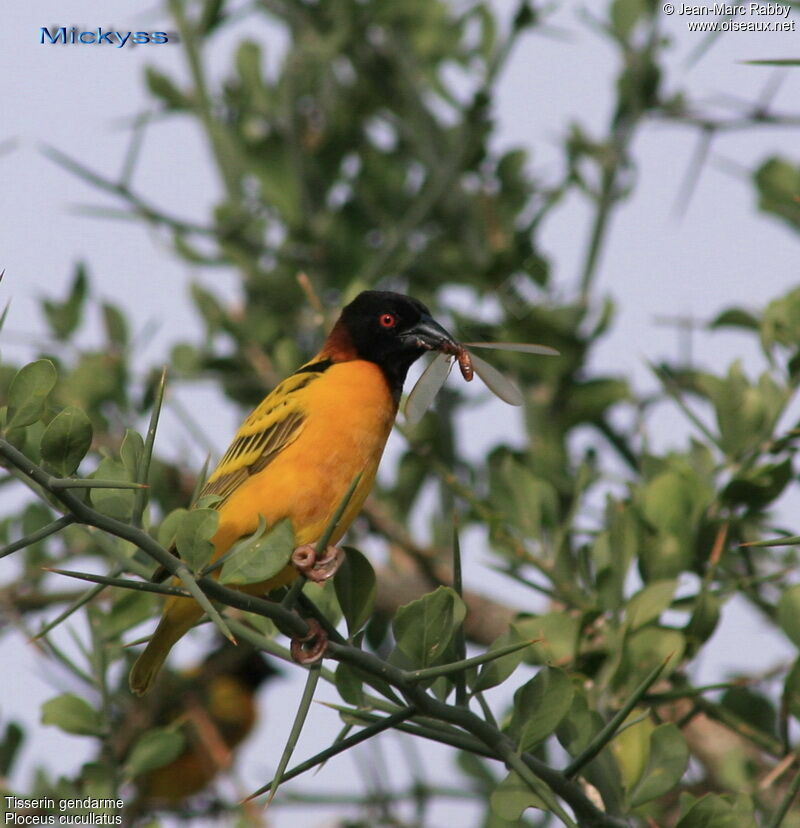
x=429, y=334
x=434, y=376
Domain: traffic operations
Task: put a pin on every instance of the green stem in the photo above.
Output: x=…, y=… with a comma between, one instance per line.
x=194, y=588
x=214, y=129
x=40, y=534
x=384, y=723
x=786, y=803
x=143, y=472
x=738, y=725
x=498, y=743
x=107, y=581
x=459, y=666
x=88, y=483
x=610, y=730
x=460, y=637
x=297, y=728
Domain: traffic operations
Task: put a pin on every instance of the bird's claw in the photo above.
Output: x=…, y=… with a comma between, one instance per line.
x=311, y=647
x=317, y=569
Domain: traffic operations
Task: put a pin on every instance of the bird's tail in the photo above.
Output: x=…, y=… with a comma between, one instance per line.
x=179, y=617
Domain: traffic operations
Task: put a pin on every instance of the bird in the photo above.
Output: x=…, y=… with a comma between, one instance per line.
x=297, y=454
x=214, y=707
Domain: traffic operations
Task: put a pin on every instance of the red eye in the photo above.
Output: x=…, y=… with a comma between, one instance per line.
x=387, y=320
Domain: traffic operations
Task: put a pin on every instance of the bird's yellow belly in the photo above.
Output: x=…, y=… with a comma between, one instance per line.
x=351, y=415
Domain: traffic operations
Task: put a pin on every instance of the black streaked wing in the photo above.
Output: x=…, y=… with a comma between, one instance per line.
x=427, y=387
x=251, y=456
x=498, y=384
x=275, y=424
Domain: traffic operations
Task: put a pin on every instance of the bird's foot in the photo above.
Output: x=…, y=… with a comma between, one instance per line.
x=317, y=569
x=311, y=647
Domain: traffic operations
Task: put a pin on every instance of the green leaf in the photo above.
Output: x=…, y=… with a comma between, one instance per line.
x=154, y=749
x=673, y=500
x=73, y=715
x=746, y=412
x=644, y=650
x=162, y=87
x=624, y=16
x=64, y=317
x=791, y=691
x=672, y=503
x=497, y=671
x=512, y=797
x=734, y=318
x=115, y=324
x=789, y=613
x=713, y=811
x=193, y=537
x=631, y=747
x=349, y=683
x=261, y=556
x=778, y=183
x=129, y=609
x=130, y=452
x=10, y=744
x=539, y=707
x=424, y=628
x=666, y=763
x=356, y=588
x=579, y=726
x=560, y=632
x=751, y=707
x=98, y=781
x=759, y=486
x=169, y=527
x=591, y=399
x=703, y=621
x=528, y=501
x=27, y=396
x=649, y=603
x=66, y=440
x=116, y=503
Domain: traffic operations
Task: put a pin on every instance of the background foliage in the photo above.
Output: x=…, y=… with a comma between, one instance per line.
x=367, y=159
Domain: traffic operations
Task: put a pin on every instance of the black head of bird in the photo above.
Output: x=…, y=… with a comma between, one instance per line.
x=388, y=329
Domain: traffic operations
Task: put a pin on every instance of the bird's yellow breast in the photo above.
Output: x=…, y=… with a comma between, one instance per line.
x=349, y=411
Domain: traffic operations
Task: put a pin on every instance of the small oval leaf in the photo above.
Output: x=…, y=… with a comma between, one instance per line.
x=66, y=440
x=666, y=764
x=789, y=613
x=425, y=627
x=649, y=602
x=116, y=503
x=72, y=714
x=356, y=587
x=193, y=537
x=154, y=749
x=497, y=671
x=27, y=395
x=539, y=706
x=261, y=556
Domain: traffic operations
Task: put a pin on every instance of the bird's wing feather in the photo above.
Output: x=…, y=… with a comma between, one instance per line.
x=274, y=425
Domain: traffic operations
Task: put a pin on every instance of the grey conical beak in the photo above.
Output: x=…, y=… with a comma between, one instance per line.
x=429, y=334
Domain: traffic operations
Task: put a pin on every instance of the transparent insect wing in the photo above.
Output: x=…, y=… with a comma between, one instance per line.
x=427, y=387
x=498, y=384
x=520, y=347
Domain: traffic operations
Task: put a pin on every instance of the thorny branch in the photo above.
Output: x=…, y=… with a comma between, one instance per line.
x=499, y=746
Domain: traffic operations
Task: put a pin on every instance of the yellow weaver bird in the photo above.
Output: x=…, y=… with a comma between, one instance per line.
x=297, y=453
x=214, y=707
